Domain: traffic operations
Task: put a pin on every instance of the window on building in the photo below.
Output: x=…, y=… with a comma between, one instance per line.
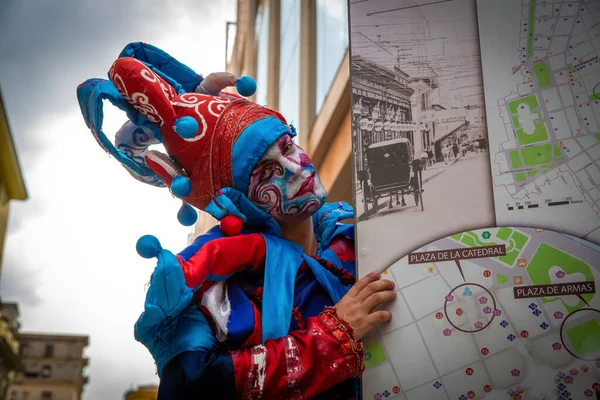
x=49, y=351
x=46, y=395
x=23, y=349
x=289, y=62
x=46, y=371
x=332, y=43
x=262, y=61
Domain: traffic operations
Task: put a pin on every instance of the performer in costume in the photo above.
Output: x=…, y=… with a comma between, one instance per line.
x=262, y=306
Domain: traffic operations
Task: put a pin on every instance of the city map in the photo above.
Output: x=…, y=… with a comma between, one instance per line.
x=494, y=313
x=541, y=72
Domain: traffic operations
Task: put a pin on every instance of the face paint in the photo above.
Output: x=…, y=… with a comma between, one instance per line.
x=285, y=183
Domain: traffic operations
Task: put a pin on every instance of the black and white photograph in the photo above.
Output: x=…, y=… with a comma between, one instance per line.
x=419, y=126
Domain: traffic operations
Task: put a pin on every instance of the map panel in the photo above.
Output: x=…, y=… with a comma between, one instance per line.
x=541, y=71
x=491, y=314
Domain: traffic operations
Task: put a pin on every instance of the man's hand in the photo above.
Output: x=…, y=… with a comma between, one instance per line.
x=356, y=307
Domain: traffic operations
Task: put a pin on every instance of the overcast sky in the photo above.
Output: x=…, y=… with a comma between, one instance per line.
x=70, y=259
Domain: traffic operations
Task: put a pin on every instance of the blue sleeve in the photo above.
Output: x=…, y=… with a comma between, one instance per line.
x=197, y=375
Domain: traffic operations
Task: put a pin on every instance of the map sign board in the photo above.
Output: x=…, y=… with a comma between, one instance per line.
x=541, y=71
x=470, y=114
x=492, y=313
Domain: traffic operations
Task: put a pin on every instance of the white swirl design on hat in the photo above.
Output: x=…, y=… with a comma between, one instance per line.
x=139, y=101
x=216, y=106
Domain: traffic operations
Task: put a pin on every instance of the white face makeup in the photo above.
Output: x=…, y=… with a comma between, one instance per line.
x=285, y=183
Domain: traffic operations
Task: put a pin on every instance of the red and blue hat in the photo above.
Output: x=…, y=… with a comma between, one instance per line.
x=213, y=139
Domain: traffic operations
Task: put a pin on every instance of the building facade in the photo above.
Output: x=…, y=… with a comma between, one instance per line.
x=53, y=367
x=9, y=347
x=381, y=107
x=12, y=187
x=143, y=392
x=298, y=52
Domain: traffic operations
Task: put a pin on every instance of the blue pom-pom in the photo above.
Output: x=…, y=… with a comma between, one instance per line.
x=187, y=216
x=186, y=127
x=181, y=187
x=245, y=86
x=148, y=246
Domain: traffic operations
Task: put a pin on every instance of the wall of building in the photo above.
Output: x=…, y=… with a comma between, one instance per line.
x=146, y=392
x=44, y=393
x=53, y=367
x=12, y=186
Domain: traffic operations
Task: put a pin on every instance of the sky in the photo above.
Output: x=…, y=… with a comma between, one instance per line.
x=69, y=258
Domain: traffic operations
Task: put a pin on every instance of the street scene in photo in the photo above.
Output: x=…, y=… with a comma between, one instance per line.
x=419, y=126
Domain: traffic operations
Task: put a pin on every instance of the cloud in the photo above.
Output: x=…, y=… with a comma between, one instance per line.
x=48, y=48
x=20, y=281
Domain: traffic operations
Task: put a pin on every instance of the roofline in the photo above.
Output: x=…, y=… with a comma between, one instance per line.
x=18, y=191
x=52, y=336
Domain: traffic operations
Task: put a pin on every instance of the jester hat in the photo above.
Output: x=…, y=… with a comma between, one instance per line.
x=213, y=139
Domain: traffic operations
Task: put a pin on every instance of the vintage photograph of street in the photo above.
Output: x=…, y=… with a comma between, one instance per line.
x=419, y=126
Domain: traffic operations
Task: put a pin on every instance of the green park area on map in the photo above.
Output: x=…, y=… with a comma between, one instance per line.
x=515, y=241
x=529, y=126
x=542, y=75
x=501, y=279
x=547, y=257
x=585, y=337
x=530, y=101
x=544, y=156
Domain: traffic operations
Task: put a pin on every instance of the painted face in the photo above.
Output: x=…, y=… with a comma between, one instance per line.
x=285, y=184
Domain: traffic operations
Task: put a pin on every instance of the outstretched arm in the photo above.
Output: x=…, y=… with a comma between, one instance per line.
x=300, y=365
x=220, y=258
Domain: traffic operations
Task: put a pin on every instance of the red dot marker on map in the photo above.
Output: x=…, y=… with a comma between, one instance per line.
x=469, y=371
x=585, y=368
x=487, y=388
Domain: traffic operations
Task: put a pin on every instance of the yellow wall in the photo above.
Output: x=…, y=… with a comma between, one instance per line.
x=12, y=186
x=3, y=215
x=144, y=394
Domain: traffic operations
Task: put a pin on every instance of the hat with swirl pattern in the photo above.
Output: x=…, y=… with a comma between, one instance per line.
x=213, y=139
